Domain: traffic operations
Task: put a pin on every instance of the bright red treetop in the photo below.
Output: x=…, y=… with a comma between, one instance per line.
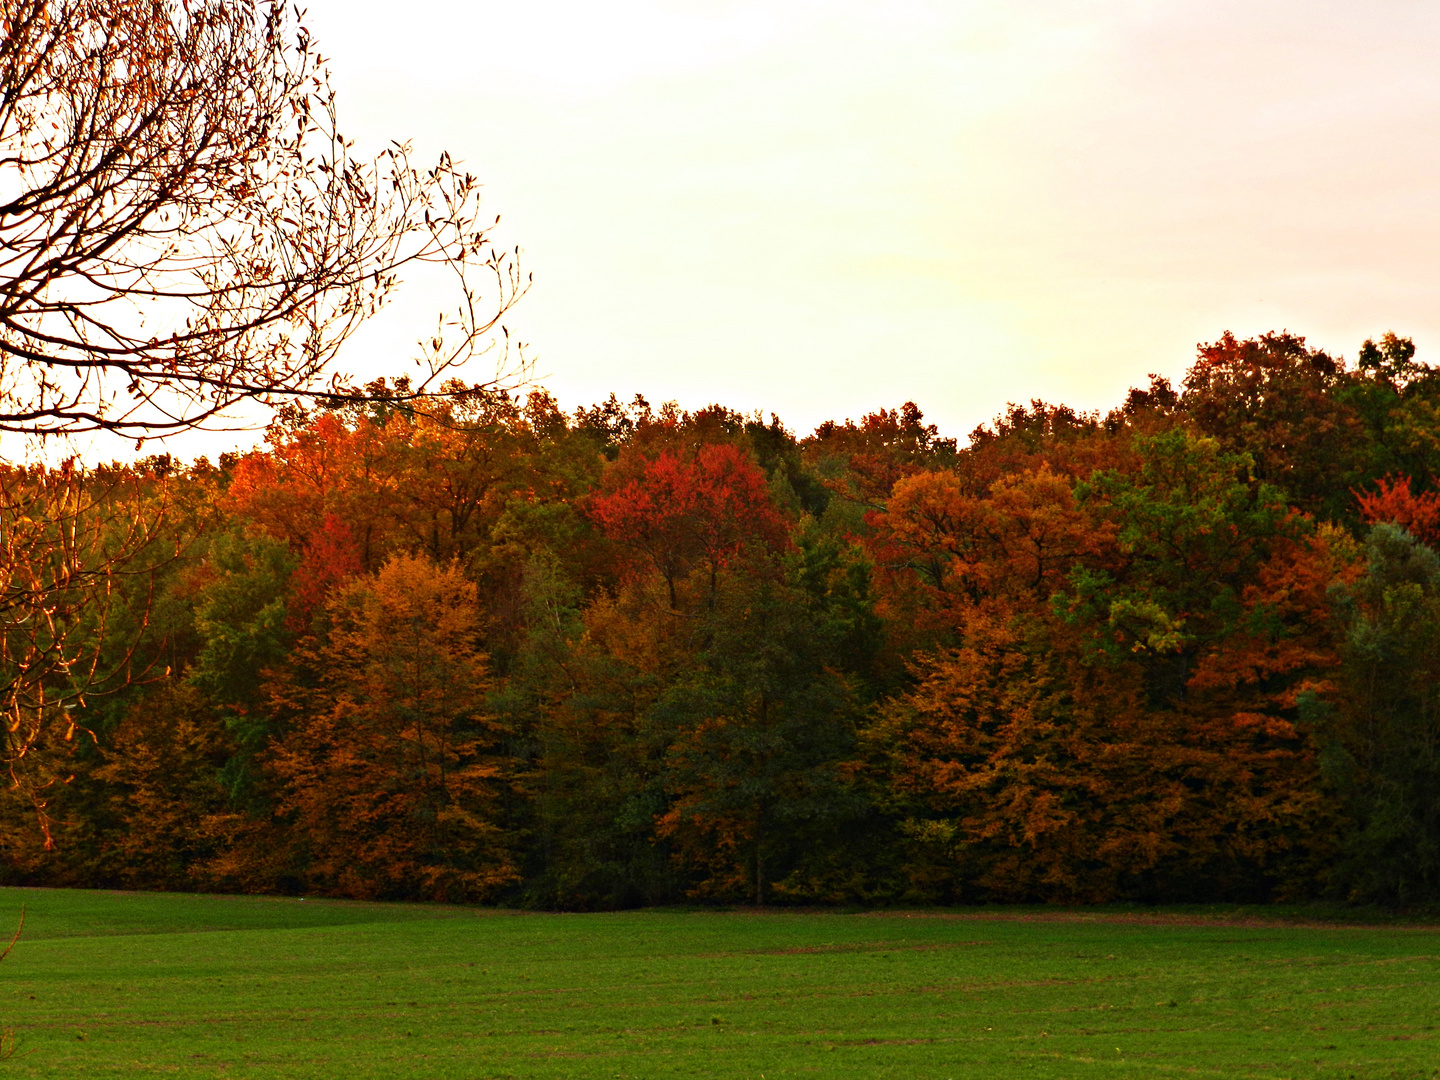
x=1419, y=515
x=682, y=512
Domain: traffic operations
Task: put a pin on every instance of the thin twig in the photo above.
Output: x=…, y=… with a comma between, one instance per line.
x=16, y=938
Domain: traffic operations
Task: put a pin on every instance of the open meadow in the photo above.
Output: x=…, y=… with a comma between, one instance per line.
x=134, y=984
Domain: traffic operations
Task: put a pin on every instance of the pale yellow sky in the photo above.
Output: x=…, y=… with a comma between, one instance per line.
x=824, y=208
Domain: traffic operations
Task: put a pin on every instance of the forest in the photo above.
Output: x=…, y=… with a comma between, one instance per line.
x=491, y=651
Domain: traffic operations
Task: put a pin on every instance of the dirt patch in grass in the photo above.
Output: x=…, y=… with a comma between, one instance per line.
x=1245, y=921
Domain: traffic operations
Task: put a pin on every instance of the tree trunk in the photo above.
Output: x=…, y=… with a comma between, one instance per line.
x=759, y=875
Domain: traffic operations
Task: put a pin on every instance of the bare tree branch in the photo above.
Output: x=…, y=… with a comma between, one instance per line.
x=183, y=227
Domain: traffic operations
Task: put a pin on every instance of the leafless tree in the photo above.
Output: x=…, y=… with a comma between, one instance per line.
x=183, y=227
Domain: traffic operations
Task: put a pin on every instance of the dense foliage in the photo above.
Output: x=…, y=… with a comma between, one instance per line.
x=1187, y=650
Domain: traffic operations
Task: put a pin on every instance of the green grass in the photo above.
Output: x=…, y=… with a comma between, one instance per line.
x=126, y=984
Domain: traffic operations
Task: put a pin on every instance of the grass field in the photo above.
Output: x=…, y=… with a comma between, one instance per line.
x=128, y=984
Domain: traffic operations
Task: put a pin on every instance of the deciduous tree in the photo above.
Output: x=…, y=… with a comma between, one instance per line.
x=1381, y=724
x=678, y=514
x=387, y=780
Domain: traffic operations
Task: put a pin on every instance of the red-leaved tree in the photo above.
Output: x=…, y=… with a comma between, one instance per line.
x=680, y=514
x=1419, y=515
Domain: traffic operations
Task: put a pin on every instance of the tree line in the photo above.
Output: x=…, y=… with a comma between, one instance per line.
x=487, y=650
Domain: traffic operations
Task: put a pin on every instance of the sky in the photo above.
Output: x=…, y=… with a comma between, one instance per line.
x=818, y=209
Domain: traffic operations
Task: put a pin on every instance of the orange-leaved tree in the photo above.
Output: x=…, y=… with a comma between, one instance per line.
x=319, y=473
x=388, y=779
x=1119, y=712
